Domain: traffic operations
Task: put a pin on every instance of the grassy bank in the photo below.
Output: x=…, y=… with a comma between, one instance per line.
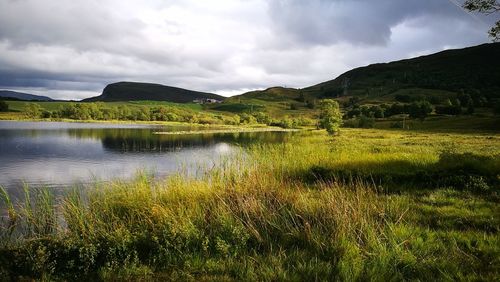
x=144, y=111
x=368, y=204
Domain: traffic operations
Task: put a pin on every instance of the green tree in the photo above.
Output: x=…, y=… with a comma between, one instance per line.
x=486, y=7
x=33, y=110
x=4, y=107
x=377, y=111
x=262, y=118
x=420, y=109
x=311, y=104
x=330, y=117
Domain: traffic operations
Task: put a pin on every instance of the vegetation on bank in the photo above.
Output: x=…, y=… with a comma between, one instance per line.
x=4, y=107
x=146, y=111
x=366, y=204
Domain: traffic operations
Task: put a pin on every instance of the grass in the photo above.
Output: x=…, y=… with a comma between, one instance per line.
x=364, y=205
x=446, y=123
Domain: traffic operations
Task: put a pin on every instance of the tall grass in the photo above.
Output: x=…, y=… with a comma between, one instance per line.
x=260, y=218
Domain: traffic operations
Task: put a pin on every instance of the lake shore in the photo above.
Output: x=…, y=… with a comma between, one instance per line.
x=365, y=203
x=230, y=128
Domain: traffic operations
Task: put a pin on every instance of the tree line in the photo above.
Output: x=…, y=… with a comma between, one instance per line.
x=101, y=111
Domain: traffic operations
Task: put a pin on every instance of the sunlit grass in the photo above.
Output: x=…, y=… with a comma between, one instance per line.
x=357, y=206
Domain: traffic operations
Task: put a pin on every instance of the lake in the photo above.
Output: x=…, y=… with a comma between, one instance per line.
x=59, y=154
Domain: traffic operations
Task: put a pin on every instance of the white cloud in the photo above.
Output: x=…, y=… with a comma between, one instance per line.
x=77, y=47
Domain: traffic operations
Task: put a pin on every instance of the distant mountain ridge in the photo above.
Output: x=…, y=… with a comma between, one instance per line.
x=23, y=96
x=474, y=68
x=135, y=91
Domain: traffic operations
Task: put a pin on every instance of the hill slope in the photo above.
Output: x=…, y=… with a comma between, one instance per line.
x=474, y=69
x=270, y=94
x=23, y=96
x=135, y=91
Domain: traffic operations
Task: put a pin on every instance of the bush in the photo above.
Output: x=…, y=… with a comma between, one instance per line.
x=330, y=116
x=420, y=109
x=396, y=109
x=403, y=98
x=294, y=106
x=311, y=104
x=33, y=110
x=448, y=110
x=262, y=117
x=4, y=107
x=496, y=108
x=286, y=123
x=366, y=122
x=247, y=119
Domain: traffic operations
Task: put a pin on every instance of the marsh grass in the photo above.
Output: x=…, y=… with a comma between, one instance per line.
x=268, y=214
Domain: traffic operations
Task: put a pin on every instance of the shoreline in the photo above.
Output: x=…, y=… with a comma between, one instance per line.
x=245, y=130
x=203, y=128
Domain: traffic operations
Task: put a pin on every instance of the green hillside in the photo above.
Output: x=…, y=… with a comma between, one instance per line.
x=453, y=81
x=474, y=70
x=271, y=94
x=137, y=91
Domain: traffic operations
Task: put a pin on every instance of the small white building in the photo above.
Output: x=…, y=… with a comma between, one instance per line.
x=206, y=101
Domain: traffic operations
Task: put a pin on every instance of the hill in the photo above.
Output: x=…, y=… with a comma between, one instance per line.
x=22, y=96
x=474, y=70
x=441, y=75
x=270, y=94
x=277, y=101
x=136, y=91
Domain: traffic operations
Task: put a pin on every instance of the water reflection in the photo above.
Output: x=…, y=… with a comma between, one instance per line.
x=62, y=154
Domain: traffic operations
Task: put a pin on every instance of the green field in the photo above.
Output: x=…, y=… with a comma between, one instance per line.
x=368, y=204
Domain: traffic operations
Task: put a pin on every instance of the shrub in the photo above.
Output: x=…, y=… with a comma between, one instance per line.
x=4, y=107
x=33, y=110
x=262, y=117
x=420, y=109
x=330, y=116
x=294, y=106
x=366, y=122
x=247, y=119
x=448, y=110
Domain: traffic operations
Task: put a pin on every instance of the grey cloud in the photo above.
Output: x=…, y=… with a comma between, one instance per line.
x=355, y=21
x=77, y=47
x=66, y=23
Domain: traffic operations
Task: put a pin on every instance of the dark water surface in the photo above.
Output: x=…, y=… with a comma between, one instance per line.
x=58, y=154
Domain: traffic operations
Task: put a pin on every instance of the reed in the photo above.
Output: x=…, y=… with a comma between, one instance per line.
x=314, y=208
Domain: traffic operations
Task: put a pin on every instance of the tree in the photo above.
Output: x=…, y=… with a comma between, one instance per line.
x=262, y=118
x=4, y=107
x=311, y=104
x=377, y=111
x=33, y=110
x=486, y=7
x=420, y=109
x=330, y=116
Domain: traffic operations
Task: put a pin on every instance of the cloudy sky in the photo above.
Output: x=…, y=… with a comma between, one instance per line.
x=70, y=49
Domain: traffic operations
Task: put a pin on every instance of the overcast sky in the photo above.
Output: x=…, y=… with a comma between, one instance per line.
x=70, y=49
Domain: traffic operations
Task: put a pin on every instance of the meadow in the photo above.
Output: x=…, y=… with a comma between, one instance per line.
x=368, y=204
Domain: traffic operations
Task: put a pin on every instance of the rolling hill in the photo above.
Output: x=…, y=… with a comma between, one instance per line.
x=136, y=91
x=23, y=96
x=475, y=70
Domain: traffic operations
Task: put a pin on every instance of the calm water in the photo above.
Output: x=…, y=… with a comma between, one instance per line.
x=58, y=155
